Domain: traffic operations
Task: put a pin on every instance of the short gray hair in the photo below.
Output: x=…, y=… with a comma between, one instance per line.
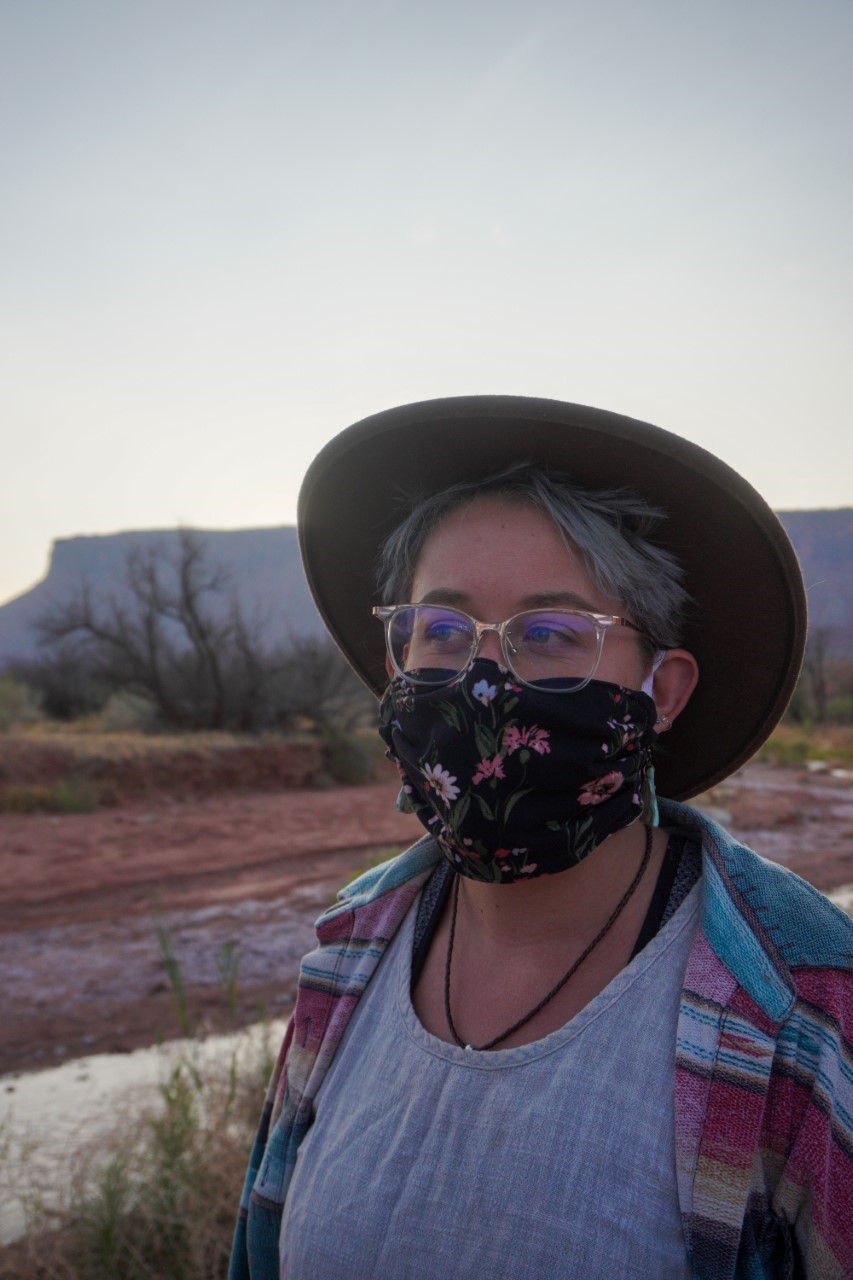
x=610, y=529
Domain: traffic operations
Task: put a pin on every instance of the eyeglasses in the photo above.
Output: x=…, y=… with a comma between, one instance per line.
x=434, y=645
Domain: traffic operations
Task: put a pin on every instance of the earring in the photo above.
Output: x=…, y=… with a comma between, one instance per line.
x=665, y=721
x=403, y=802
x=648, y=797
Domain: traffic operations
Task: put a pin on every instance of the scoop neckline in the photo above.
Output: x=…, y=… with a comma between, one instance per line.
x=519, y=1055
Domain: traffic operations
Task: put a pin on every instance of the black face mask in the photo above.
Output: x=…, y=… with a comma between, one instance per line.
x=515, y=782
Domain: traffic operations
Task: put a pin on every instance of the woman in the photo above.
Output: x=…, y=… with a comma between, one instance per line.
x=576, y=1030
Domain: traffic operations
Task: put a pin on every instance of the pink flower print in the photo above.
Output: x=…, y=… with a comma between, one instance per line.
x=531, y=736
x=493, y=768
x=441, y=781
x=600, y=788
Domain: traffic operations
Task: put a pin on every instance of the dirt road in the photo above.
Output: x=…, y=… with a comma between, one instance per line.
x=81, y=897
x=239, y=879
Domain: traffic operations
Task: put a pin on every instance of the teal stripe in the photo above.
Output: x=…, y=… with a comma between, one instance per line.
x=394, y=874
x=740, y=950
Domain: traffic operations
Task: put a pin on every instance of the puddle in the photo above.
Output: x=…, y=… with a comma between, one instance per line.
x=47, y=1116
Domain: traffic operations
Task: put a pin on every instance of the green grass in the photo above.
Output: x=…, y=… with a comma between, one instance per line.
x=158, y=1200
x=792, y=745
x=67, y=795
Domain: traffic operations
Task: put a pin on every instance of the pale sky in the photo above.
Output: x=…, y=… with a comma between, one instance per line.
x=230, y=229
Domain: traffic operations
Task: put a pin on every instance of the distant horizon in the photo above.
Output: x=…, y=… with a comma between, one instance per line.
x=198, y=528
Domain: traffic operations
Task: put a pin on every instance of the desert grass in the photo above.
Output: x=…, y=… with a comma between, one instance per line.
x=72, y=794
x=793, y=744
x=49, y=767
x=156, y=1200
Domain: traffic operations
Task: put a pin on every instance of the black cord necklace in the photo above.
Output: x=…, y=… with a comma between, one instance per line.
x=629, y=893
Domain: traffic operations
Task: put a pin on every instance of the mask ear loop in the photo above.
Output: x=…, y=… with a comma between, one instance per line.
x=648, y=684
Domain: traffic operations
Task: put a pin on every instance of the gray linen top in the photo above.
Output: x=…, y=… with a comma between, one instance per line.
x=554, y=1159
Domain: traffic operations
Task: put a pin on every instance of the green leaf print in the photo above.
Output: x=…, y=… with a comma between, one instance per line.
x=485, y=741
x=460, y=809
x=514, y=799
x=450, y=715
x=486, y=811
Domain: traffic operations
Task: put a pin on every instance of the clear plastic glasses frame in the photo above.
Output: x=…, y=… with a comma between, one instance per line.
x=600, y=622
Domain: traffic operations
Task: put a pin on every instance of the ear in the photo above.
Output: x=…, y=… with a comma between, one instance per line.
x=674, y=681
x=388, y=668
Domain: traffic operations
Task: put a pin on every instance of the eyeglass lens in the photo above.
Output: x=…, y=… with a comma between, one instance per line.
x=431, y=644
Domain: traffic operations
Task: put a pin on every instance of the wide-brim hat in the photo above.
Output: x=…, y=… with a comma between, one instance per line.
x=747, y=630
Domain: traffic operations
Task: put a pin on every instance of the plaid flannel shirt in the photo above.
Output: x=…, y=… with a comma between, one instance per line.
x=763, y=1079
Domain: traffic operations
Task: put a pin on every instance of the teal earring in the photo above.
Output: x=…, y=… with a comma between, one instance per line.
x=649, y=814
x=403, y=803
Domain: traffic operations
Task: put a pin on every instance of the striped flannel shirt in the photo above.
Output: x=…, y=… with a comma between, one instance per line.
x=763, y=1079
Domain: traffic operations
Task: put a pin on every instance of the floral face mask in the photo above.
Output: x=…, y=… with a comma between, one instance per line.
x=514, y=782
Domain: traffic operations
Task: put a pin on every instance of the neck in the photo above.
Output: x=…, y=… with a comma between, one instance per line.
x=571, y=904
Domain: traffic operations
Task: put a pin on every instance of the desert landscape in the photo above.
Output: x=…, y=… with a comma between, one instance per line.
x=179, y=906
x=87, y=900
x=177, y=834
x=95, y=906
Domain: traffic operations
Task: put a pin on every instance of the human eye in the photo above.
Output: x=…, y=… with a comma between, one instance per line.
x=443, y=629
x=538, y=632
x=552, y=630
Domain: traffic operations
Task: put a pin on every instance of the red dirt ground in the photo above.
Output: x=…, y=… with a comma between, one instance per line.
x=245, y=875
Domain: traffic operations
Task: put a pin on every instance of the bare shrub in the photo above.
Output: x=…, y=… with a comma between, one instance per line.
x=64, y=681
x=176, y=640
x=17, y=704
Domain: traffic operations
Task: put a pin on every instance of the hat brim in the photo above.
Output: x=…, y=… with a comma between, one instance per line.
x=749, y=627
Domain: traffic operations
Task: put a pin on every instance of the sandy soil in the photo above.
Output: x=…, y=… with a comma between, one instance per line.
x=244, y=876
x=81, y=897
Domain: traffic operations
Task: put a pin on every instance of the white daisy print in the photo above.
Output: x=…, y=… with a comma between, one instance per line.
x=442, y=782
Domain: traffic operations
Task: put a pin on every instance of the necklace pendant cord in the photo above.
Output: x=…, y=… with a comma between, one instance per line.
x=620, y=907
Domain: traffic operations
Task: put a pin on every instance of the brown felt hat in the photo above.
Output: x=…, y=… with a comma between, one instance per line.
x=748, y=630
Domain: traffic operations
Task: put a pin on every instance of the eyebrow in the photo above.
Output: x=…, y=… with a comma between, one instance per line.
x=541, y=600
